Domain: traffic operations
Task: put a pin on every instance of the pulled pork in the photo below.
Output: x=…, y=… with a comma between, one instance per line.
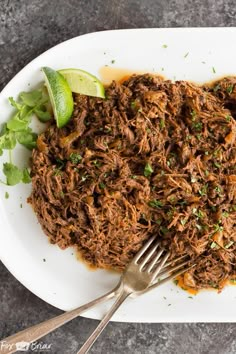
x=154, y=158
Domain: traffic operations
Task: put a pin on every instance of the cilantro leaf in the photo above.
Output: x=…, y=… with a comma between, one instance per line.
x=7, y=139
x=15, y=104
x=155, y=203
x=26, y=176
x=13, y=174
x=32, y=98
x=75, y=158
x=148, y=170
x=18, y=123
x=42, y=113
x=27, y=138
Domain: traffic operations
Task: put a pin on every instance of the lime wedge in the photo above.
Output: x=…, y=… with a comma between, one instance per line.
x=82, y=82
x=60, y=96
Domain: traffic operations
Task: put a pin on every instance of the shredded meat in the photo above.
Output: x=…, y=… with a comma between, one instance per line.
x=154, y=157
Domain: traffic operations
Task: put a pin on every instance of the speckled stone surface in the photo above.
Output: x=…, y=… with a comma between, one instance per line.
x=28, y=28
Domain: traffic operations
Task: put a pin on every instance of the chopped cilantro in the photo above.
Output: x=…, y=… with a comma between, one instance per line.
x=75, y=158
x=218, y=227
x=218, y=190
x=203, y=190
x=230, y=88
x=193, y=114
x=185, y=55
x=164, y=46
x=217, y=164
x=155, y=203
x=228, y=118
x=198, y=213
x=217, y=88
x=213, y=70
x=102, y=185
x=197, y=126
x=148, y=170
x=199, y=136
x=60, y=163
x=162, y=123
x=163, y=230
x=6, y=195
x=113, y=61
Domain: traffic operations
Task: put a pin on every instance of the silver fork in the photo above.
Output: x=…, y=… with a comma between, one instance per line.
x=137, y=278
x=167, y=271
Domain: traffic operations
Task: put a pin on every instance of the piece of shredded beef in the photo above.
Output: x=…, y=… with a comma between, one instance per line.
x=154, y=158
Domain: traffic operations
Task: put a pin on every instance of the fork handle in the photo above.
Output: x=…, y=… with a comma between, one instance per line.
x=29, y=335
x=96, y=333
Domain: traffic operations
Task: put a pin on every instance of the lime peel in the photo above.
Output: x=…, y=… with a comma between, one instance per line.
x=60, y=96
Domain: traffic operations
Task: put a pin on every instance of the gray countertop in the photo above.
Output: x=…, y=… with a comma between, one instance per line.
x=28, y=28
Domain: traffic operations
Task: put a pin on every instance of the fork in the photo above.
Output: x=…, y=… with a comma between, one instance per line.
x=137, y=278
x=168, y=271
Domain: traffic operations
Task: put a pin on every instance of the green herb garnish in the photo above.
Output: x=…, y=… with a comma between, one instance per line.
x=6, y=195
x=155, y=203
x=203, y=190
x=15, y=175
x=75, y=158
x=218, y=227
x=230, y=88
x=197, y=126
x=17, y=130
x=162, y=124
x=148, y=170
x=228, y=118
x=216, y=164
x=217, y=88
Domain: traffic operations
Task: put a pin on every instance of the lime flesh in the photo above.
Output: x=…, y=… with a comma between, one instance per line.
x=60, y=96
x=84, y=83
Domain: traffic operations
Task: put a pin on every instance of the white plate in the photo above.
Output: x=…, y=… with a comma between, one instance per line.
x=63, y=281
